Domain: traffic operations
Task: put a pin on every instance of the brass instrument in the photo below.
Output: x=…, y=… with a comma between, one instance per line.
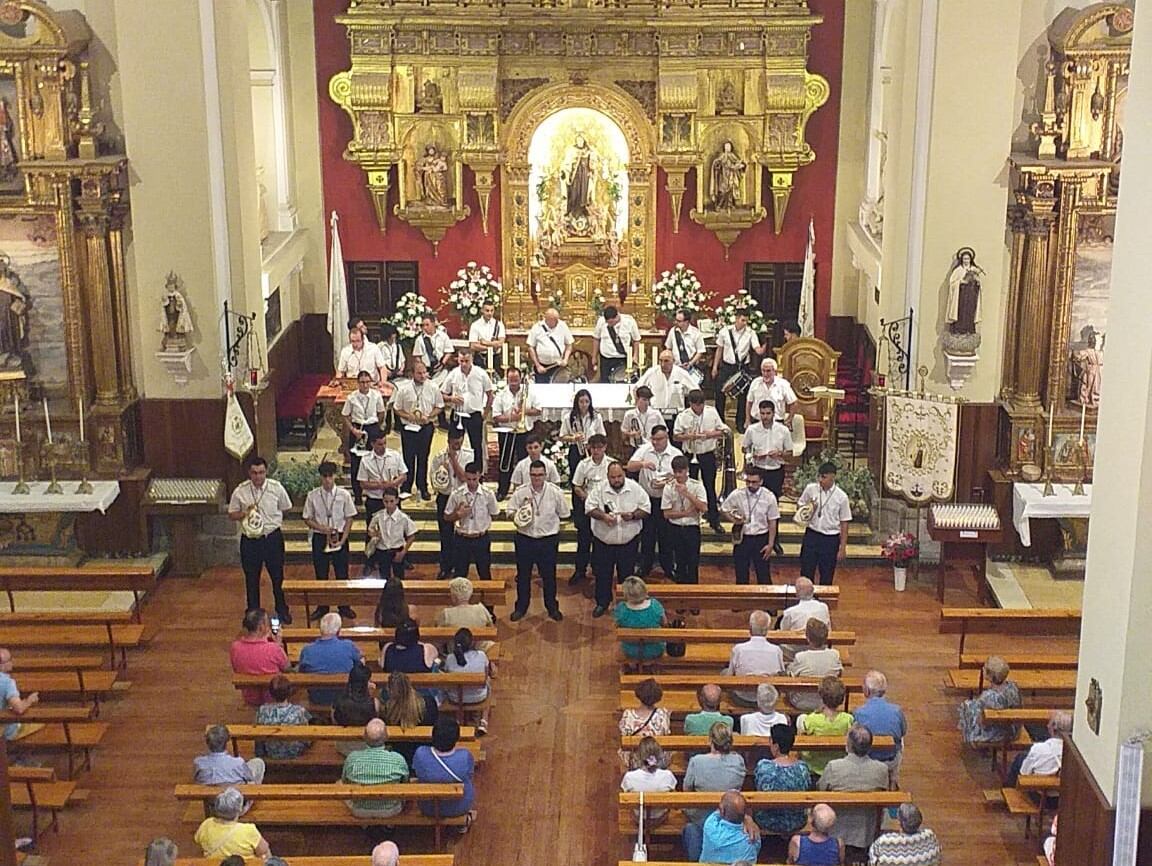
x=692, y=443
x=441, y=479
x=728, y=460
x=804, y=513
x=253, y=522
x=737, y=526
x=525, y=515
x=508, y=448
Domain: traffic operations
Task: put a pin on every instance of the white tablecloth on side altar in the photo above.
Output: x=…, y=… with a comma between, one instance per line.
x=1029, y=501
x=103, y=494
x=610, y=400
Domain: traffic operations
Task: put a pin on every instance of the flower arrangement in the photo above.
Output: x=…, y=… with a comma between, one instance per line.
x=410, y=307
x=856, y=481
x=678, y=289
x=553, y=299
x=557, y=452
x=599, y=302
x=900, y=548
x=741, y=302
x=474, y=286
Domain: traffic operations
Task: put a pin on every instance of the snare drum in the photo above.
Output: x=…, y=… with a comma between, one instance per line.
x=737, y=383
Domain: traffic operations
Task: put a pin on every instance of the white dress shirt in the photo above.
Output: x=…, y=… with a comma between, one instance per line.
x=832, y=508
x=663, y=461
x=1044, y=758
x=361, y=409
x=588, y=426
x=549, y=343
x=463, y=457
x=746, y=343
x=779, y=392
x=393, y=357
x=627, y=332
x=757, y=656
x=671, y=500
x=693, y=343
x=760, y=725
x=481, y=331
x=796, y=616
x=759, y=440
x=391, y=529
x=589, y=474
x=645, y=420
x=630, y=497
x=441, y=346
x=550, y=505
x=758, y=508
x=520, y=471
x=505, y=402
x=668, y=392
x=707, y=421
x=424, y=398
x=484, y=508
x=385, y=467
x=270, y=498
x=332, y=508
x=475, y=386
x=353, y=362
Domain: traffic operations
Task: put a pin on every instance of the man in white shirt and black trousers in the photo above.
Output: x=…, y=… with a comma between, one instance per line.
x=362, y=411
x=826, y=536
x=698, y=430
x=617, y=509
x=736, y=345
x=549, y=345
x=653, y=460
x=682, y=502
x=415, y=403
x=456, y=457
x=768, y=444
x=471, y=508
x=390, y=536
x=513, y=408
x=381, y=468
x=685, y=341
x=616, y=335
x=262, y=544
x=538, y=542
x=589, y=474
x=329, y=512
x=757, y=510
x=469, y=390
x=486, y=333
x=432, y=345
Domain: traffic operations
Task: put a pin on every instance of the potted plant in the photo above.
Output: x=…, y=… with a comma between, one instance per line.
x=856, y=481
x=900, y=548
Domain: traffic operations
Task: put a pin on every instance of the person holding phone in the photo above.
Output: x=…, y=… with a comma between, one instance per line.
x=258, y=650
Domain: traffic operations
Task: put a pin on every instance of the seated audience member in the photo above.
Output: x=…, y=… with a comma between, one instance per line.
x=1050, y=843
x=856, y=771
x=465, y=658
x=328, y=654
x=10, y=695
x=651, y=774
x=223, y=835
x=237, y=860
x=1001, y=694
x=375, y=764
x=257, y=651
x=357, y=706
x=819, y=847
x=819, y=660
x=708, y=697
x=755, y=656
x=782, y=772
x=386, y=854
x=828, y=721
x=407, y=707
x=444, y=762
x=884, y=719
x=1046, y=756
x=161, y=852
x=220, y=768
x=407, y=653
x=647, y=720
x=796, y=616
x=281, y=711
x=914, y=845
x=639, y=610
x=391, y=607
x=718, y=769
x=759, y=723
x=728, y=835
x=463, y=613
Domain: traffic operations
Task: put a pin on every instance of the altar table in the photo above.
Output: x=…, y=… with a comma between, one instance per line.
x=1029, y=501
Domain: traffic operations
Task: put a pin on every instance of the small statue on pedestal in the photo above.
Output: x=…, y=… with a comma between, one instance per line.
x=431, y=99
x=963, y=310
x=176, y=322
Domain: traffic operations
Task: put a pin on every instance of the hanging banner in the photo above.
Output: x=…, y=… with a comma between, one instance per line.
x=920, y=447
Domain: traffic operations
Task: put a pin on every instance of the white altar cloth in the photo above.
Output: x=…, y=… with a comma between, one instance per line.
x=1029, y=501
x=610, y=400
x=103, y=494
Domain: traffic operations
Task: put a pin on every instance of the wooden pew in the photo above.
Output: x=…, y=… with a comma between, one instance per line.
x=438, y=635
x=449, y=682
x=331, y=860
x=711, y=647
x=676, y=684
x=68, y=729
x=1021, y=800
x=137, y=579
x=681, y=703
x=311, y=593
x=681, y=596
x=37, y=789
x=88, y=685
x=1019, y=716
x=323, y=804
x=1057, y=622
x=322, y=736
x=113, y=629
x=1061, y=681
x=683, y=746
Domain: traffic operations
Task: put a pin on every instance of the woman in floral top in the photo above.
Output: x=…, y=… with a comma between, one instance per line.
x=1001, y=694
x=648, y=720
x=281, y=711
x=782, y=772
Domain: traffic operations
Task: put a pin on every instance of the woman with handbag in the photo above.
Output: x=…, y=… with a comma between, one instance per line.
x=647, y=720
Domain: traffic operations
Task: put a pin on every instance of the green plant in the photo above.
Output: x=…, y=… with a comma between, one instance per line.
x=297, y=476
x=857, y=481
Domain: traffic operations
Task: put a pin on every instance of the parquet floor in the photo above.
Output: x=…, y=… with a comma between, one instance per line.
x=546, y=793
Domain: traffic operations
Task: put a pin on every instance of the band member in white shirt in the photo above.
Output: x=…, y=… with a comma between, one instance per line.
x=579, y=425
x=768, y=444
x=534, y=446
x=685, y=341
x=415, y=403
x=516, y=409
x=360, y=355
x=772, y=387
x=826, y=536
x=258, y=505
x=617, y=336
x=698, y=430
x=682, y=502
x=636, y=428
x=756, y=510
x=468, y=389
x=538, y=541
x=735, y=347
x=390, y=536
x=455, y=457
x=590, y=472
x=549, y=345
x=669, y=384
x=432, y=345
x=329, y=511
x=486, y=335
x=617, y=510
x=471, y=508
x=390, y=351
x=381, y=468
x=362, y=411
x=653, y=460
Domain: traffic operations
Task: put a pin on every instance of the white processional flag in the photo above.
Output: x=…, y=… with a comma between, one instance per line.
x=807, y=315
x=337, y=294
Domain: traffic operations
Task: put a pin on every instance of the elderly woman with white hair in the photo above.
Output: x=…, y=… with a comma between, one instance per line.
x=914, y=845
x=223, y=834
x=1001, y=694
x=463, y=613
x=759, y=723
x=161, y=852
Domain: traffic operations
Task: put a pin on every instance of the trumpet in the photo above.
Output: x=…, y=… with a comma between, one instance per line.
x=737, y=525
x=508, y=446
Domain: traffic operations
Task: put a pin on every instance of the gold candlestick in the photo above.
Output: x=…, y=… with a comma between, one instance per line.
x=1082, y=460
x=21, y=487
x=54, y=485
x=1047, y=476
x=84, y=488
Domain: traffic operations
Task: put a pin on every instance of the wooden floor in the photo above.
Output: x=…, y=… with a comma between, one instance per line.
x=547, y=791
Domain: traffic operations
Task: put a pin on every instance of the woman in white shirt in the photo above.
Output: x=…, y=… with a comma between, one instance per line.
x=464, y=658
x=759, y=723
x=651, y=774
x=577, y=425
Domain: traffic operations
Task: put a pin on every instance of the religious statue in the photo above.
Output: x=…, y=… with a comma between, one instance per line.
x=432, y=173
x=727, y=179
x=727, y=101
x=175, y=321
x=13, y=317
x=8, y=156
x=1089, y=365
x=262, y=204
x=579, y=173
x=964, y=292
x=431, y=100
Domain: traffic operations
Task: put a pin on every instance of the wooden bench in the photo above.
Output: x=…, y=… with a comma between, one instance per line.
x=80, y=630
x=712, y=647
x=68, y=729
x=331, y=860
x=1030, y=797
x=682, y=746
x=324, y=804
x=1056, y=622
x=136, y=579
x=325, y=737
x=1026, y=681
x=683, y=596
x=37, y=789
x=676, y=683
x=88, y=685
x=681, y=703
x=438, y=635
x=311, y=593
x=449, y=682
x=1019, y=716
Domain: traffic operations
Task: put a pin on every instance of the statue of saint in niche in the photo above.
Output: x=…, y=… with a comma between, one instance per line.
x=432, y=175
x=8, y=155
x=13, y=317
x=431, y=99
x=727, y=101
x=175, y=320
x=964, y=292
x=1089, y=366
x=579, y=172
x=727, y=178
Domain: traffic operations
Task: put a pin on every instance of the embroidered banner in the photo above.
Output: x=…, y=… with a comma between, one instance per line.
x=920, y=448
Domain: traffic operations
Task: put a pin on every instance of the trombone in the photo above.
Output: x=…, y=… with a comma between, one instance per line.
x=508, y=447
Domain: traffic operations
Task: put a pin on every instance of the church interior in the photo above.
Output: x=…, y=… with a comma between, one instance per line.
x=237, y=229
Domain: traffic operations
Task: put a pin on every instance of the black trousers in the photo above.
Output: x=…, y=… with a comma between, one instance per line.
x=371, y=430
x=541, y=553
x=519, y=452
x=263, y=553
x=546, y=376
x=415, y=447
x=612, y=560
x=774, y=481
x=726, y=371
x=474, y=428
x=583, y=535
x=447, y=536
x=818, y=553
x=655, y=541
x=706, y=471
x=473, y=550
x=748, y=557
x=391, y=566
x=608, y=366
x=686, y=552
x=322, y=562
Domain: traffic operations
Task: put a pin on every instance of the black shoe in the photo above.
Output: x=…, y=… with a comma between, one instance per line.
x=409, y=565
x=347, y=612
x=444, y=575
x=577, y=577
x=285, y=618
x=317, y=614
x=425, y=496
x=717, y=527
x=517, y=615
x=777, y=549
x=599, y=611
x=555, y=615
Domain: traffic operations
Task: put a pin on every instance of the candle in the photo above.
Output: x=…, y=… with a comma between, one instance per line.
x=517, y=364
x=16, y=398
x=504, y=355
x=490, y=364
x=655, y=356
x=1083, y=412
x=1050, y=419
x=80, y=404
x=47, y=421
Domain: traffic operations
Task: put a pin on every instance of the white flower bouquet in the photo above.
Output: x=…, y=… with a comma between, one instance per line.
x=474, y=286
x=679, y=289
x=557, y=452
x=741, y=302
x=410, y=309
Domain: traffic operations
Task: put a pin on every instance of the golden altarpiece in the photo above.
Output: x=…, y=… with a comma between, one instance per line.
x=1061, y=219
x=573, y=105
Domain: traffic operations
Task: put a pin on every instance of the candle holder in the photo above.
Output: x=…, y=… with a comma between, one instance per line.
x=1082, y=465
x=1047, y=476
x=84, y=488
x=21, y=488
